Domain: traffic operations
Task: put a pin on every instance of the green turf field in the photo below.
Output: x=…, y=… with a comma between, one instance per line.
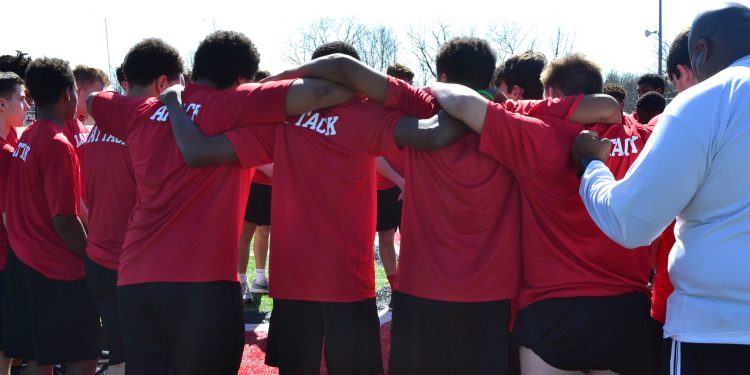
x=264, y=304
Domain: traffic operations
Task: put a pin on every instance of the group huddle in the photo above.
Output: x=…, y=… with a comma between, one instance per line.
x=538, y=230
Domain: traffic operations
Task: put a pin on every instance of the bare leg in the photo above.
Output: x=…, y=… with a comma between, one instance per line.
x=5, y=364
x=34, y=369
x=82, y=368
x=246, y=236
x=387, y=251
x=532, y=364
x=118, y=369
x=260, y=247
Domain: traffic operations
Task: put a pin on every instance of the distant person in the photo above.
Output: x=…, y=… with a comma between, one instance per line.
x=651, y=82
x=649, y=105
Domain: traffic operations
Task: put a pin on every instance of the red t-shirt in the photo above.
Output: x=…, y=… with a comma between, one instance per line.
x=564, y=252
x=323, y=203
x=186, y=221
x=460, y=223
x=77, y=134
x=109, y=193
x=397, y=160
x=262, y=178
x=662, y=284
x=43, y=182
x=8, y=146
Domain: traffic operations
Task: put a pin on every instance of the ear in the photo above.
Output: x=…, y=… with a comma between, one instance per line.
x=516, y=92
x=442, y=77
x=686, y=73
x=3, y=104
x=162, y=83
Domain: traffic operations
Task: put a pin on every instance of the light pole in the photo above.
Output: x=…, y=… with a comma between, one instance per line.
x=106, y=35
x=659, y=34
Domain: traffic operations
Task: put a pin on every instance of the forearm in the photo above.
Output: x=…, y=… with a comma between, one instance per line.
x=463, y=103
x=434, y=133
x=597, y=108
x=387, y=171
x=311, y=94
x=609, y=205
x=344, y=70
x=197, y=149
x=70, y=229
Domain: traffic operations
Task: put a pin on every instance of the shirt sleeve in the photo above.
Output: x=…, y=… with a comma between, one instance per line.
x=5, y=158
x=261, y=103
x=62, y=186
x=514, y=140
x=377, y=125
x=113, y=112
x=636, y=209
x=410, y=100
x=254, y=145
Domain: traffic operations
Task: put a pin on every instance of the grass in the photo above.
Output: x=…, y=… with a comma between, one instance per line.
x=264, y=304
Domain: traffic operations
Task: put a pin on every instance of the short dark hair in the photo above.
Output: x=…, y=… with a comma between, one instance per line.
x=653, y=80
x=149, y=59
x=649, y=105
x=573, y=74
x=678, y=54
x=120, y=74
x=47, y=78
x=400, y=71
x=616, y=91
x=468, y=61
x=224, y=57
x=86, y=75
x=261, y=74
x=8, y=83
x=17, y=63
x=524, y=70
x=338, y=46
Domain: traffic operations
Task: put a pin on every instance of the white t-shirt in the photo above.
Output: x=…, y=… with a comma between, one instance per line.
x=696, y=167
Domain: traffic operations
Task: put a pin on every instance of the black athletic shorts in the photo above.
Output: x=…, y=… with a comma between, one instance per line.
x=192, y=328
x=2, y=292
x=48, y=321
x=700, y=359
x=102, y=284
x=389, y=209
x=438, y=337
x=258, y=209
x=350, y=332
x=590, y=333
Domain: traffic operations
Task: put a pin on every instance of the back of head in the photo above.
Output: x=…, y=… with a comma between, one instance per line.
x=261, y=75
x=401, y=72
x=120, y=74
x=87, y=76
x=651, y=82
x=649, y=105
x=17, y=63
x=8, y=83
x=338, y=46
x=616, y=91
x=148, y=60
x=678, y=54
x=224, y=58
x=523, y=70
x=718, y=38
x=573, y=75
x=467, y=61
x=47, y=79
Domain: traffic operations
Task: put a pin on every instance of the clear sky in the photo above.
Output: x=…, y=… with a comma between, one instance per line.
x=610, y=32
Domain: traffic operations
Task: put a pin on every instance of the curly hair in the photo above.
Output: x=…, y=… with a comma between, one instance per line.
x=616, y=91
x=149, y=59
x=47, y=78
x=15, y=63
x=468, y=61
x=338, y=46
x=225, y=57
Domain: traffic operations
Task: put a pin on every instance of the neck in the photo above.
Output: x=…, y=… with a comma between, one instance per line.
x=142, y=92
x=4, y=129
x=206, y=82
x=52, y=114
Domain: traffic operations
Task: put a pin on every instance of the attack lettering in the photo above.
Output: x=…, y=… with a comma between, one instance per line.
x=314, y=121
x=624, y=147
x=97, y=136
x=22, y=151
x=162, y=114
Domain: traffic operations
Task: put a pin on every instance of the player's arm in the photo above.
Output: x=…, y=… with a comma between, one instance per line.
x=433, y=133
x=387, y=171
x=463, y=103
x=344, y=70
x=597, y=108
x=70, y=229
x=89, y=100
x=309, y=94
x=197, y=149
x=266, y=169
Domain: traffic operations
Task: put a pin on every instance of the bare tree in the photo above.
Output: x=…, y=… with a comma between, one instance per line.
x=511, y=38
x=425, y=45
x=629, y=82
x=561, y=43
x=377, y=45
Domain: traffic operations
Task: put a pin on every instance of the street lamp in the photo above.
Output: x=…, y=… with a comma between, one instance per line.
x=659, y=33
